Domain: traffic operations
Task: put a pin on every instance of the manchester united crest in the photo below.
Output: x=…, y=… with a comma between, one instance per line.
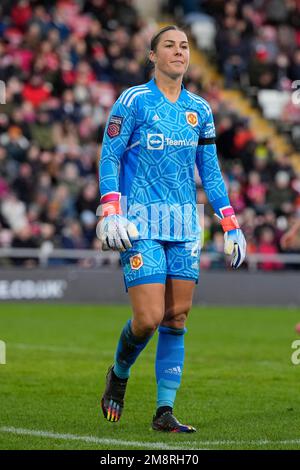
x=192, y=118
x=136, y=261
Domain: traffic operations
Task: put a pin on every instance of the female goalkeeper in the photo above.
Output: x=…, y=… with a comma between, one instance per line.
x=154, y=136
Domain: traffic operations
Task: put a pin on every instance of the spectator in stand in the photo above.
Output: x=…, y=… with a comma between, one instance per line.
x=24, y=238
x=72, y=237
x=291, y=239
x=36, y=91
x=235, y=59
x=13, y=212
x=256, y=192
x=21, y=14
x=268, y=246
x=281, y=196
x=237, y=197
x=24, y=183
x=15, y=143
x=294, y=68
x=87, y=199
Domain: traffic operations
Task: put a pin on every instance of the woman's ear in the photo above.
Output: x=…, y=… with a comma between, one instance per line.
x=152, y=57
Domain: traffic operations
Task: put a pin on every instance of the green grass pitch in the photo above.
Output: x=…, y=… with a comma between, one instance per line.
x=239, y=388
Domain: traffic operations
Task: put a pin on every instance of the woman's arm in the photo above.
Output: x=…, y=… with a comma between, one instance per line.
x=215, y=189
x=118, y=130
x=209, y=169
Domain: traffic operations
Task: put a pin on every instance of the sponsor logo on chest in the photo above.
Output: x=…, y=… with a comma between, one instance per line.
x=159, y=141
x=155, y=141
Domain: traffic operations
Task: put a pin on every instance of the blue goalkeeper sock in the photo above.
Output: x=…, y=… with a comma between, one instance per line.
x=169, y=364
x=129, y=347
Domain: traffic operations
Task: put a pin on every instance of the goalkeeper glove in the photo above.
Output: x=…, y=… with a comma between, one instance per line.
x=115, y=231
x=234, y=240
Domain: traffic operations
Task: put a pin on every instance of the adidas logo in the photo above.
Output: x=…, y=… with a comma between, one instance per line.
x=173, y=370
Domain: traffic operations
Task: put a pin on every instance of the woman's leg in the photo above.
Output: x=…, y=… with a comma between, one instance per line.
x=148, y=307
x=144, y=268
x=148, y=304
x=170, y=351
x=178, y=302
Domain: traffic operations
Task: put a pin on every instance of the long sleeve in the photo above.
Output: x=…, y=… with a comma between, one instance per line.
x=208, y=167
x=118, y=131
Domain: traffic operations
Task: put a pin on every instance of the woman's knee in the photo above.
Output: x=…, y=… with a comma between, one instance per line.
x=176, y=315
x=148, y=305
x=145, y=324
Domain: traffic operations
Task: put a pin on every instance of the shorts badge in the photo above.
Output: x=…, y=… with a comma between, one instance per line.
x=136, y=261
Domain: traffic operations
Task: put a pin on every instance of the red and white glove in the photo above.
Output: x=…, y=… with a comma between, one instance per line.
x=234, y=241
x=115, y=231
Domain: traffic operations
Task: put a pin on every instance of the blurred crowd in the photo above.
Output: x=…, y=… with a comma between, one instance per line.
x=256, y=45
x=263, y=186
x=261, y=39
x=64, y=64
x=256, y=42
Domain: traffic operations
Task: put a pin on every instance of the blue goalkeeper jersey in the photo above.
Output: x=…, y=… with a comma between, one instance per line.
x=149, y=151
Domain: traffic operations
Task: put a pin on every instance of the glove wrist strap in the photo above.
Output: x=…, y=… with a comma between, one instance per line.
x=229, y=223
x=228, y=219
x=110, y=204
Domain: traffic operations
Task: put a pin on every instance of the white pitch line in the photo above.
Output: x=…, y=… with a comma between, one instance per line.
x=150, y=445
x=90, y=439
x=260, y=442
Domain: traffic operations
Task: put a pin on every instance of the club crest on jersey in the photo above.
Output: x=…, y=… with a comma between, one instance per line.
x=192, y=118
x=136, y=261
x=114, y=126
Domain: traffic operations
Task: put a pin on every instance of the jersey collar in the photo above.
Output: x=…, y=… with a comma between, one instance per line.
x=158, y=93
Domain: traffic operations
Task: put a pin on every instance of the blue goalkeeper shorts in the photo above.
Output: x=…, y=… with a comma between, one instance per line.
x=153, y=261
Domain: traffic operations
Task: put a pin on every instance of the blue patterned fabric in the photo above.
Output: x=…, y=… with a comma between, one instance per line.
x=153, y=261
x=149, y=152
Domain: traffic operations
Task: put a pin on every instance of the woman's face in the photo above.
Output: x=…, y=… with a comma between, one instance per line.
x=172, y=54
